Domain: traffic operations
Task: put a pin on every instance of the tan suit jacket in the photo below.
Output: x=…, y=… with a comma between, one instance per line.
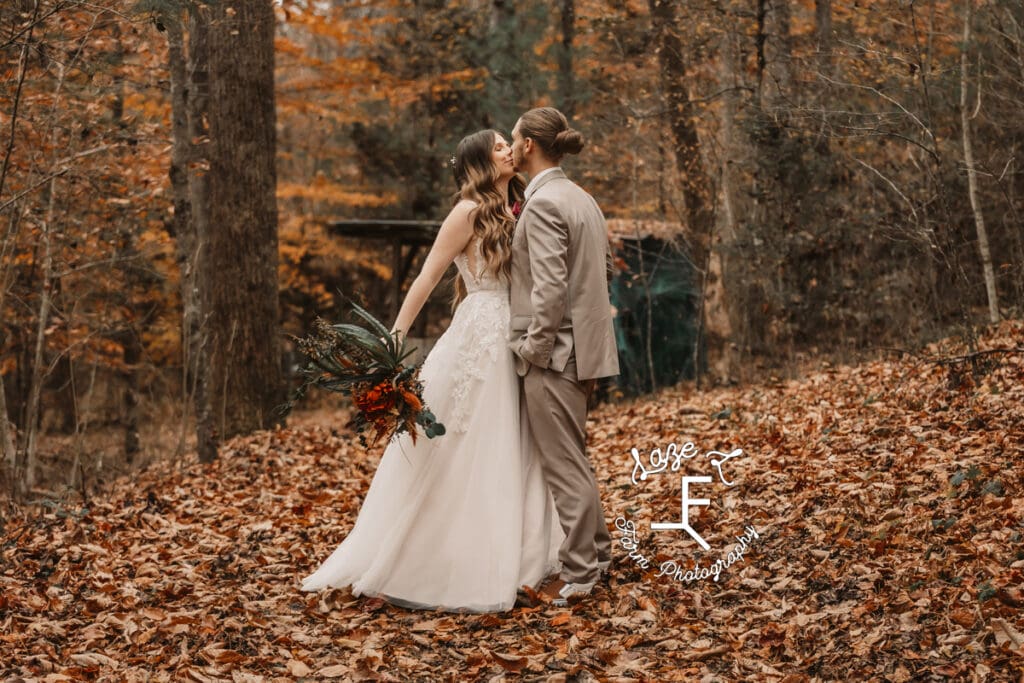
x=559, y=288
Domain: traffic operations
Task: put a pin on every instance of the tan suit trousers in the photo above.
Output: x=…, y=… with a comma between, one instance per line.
x=556, y=405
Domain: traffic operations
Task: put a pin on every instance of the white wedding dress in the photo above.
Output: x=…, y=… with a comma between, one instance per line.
x=461, y=521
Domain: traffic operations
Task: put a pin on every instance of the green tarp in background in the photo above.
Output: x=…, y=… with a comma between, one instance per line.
x=674, y=307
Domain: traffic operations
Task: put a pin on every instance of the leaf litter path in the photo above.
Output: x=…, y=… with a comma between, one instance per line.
x=887, y=499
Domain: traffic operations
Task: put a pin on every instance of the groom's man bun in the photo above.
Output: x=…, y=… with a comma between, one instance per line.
x=550, y=130
x=569, y=141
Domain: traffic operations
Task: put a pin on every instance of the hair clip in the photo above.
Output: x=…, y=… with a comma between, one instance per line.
x=452, y=161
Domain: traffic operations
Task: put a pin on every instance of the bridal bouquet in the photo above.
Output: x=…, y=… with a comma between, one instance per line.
x=367, y=363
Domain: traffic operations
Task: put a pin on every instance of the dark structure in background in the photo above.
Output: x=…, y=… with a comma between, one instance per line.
x=406, y=238
x=655, y=292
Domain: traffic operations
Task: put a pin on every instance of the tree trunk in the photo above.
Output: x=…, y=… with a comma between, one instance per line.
x=22, y=71
x=7, y=447
x=775, y=75
x=719, y=313
x=26, y=461
x=26, y=468
x=972, y=173
x=182, y=227
x=697, y=187
x=504, y=84
x=644, y=276
x=238, y=255
x=823, y=35
x=132, y=355
x=566, y=82
x=8, y=431
x=131, y=343
x=197, y=159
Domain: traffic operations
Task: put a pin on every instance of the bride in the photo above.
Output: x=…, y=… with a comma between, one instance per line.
x=461, y=521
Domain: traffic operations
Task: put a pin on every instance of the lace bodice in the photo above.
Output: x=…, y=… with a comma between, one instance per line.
x=475, y=343
x=473, y=271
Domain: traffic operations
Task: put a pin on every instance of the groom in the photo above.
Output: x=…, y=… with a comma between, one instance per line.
x=562, y=336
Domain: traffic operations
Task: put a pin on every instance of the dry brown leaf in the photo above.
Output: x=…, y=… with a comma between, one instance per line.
x=1006, y=633
x=510, y=662
x=561, y=619
x=334, y=671
x=297, y=668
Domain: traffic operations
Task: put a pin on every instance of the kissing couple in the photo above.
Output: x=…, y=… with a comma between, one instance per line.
x=506, y=498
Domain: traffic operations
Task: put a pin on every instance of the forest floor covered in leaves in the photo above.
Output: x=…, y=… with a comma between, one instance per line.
x=887, y=500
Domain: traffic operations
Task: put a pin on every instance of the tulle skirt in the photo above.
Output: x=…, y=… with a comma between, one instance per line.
x=461, y=521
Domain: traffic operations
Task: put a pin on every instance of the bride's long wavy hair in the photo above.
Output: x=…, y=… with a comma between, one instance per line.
x=477, y=179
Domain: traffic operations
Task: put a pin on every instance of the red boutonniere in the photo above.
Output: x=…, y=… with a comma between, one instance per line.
x=516, y=208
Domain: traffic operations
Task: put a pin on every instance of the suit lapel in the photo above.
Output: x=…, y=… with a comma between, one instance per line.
x=548, y=177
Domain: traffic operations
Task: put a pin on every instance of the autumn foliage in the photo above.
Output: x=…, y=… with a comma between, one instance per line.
x=801, y=163
x=887, y=499
x=806, y=157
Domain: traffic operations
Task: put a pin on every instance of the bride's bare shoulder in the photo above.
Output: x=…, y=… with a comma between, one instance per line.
x=457, y=228
x=464, y=207
x=461, y=216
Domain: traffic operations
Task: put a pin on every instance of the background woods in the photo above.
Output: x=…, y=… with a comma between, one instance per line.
x=784, y=179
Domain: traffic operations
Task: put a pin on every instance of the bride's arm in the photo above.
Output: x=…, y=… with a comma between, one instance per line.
x=451, y=239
